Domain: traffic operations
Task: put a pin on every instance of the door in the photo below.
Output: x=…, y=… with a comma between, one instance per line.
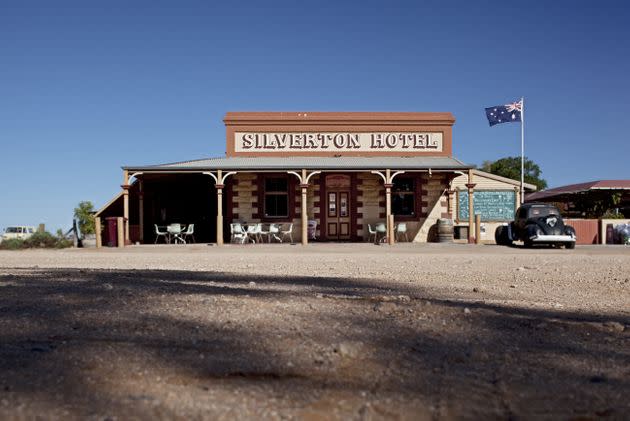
x=338, y=207
x=338, y=217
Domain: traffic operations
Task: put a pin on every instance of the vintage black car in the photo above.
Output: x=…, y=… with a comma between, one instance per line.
x=537, y=223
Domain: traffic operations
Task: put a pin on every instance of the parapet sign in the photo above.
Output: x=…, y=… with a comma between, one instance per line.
x=339, y=134
x=337, y=142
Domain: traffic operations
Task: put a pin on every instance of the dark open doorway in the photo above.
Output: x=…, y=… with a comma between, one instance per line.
x=180, y=198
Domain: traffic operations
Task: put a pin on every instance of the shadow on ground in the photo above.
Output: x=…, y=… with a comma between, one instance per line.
x=168, y=344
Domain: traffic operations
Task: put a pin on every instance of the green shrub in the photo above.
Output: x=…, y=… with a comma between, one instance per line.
x=12, y=244
x=41, y=240
x=37, y=240
x=63, y=243
x=84, y=214
x=612, y=215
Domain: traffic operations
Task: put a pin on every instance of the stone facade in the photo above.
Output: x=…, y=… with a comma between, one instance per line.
x=369, y=204
x=434, y=203
x=244, y=200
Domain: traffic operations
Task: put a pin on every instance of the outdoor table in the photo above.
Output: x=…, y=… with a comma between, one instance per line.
x=175, y=230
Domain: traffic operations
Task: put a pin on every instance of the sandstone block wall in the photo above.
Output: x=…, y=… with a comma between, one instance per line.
x=434, y=203
x=370, y=202
x=431, y=197
x=244, y=198
x=245, y=207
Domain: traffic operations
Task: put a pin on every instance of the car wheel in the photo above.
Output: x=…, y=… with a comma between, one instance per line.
x=502, y=236
x=570, y=245
x=499, y=235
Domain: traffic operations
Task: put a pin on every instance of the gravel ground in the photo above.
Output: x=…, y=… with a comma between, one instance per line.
x=328, y=331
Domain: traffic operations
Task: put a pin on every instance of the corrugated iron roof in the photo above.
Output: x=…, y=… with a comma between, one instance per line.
x=581, y=187
x=517, y=183
x=309, y=162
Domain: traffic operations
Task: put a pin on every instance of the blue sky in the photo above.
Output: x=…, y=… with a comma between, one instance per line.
x=86, y=87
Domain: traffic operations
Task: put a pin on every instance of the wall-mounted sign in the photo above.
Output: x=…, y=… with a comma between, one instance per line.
x=498, y=205
x=341, y=142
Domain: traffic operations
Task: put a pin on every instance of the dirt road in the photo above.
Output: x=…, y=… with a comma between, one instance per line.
x=326, y=331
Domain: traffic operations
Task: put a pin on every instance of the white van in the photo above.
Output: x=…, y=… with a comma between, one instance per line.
x=21, y=232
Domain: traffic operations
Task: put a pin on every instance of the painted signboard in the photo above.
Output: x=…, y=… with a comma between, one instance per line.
x=498, y=205
x=340, y=141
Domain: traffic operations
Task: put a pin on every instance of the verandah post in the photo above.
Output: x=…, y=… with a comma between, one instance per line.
x=304, y=187
x=388, y=207
x=97, y=230
x=125, y=187
x=219, y=186
x=471, y=209
x=141, y=211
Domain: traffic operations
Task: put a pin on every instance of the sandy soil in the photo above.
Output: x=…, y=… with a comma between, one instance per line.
x=319, y=332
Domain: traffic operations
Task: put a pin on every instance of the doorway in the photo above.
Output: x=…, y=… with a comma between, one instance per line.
x=188, y=199
x=338, y=207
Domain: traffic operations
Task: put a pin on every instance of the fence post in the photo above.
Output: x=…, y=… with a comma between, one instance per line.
x=120, y=222
x=97, y=231
x=478, y=229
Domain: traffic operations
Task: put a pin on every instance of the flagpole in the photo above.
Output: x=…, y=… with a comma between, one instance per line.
x=522, y=150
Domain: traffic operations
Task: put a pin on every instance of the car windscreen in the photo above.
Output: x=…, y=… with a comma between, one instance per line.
x=13, y=230
x=542, y=212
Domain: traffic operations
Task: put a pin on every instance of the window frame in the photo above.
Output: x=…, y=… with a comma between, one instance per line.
x=414, y=192
x=262, y=197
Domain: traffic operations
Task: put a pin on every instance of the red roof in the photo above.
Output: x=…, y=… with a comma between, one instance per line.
x=580, y=187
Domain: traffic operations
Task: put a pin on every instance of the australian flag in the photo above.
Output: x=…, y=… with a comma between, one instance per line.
x=508, y=113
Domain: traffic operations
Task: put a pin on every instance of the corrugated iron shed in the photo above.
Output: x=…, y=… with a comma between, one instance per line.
x=580, y=188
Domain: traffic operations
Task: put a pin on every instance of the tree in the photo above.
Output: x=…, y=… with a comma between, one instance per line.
x=84, y=214
x=510, y=167
x=598, y=203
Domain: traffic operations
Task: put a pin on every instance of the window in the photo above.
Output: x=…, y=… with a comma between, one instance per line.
x=276, y=197
x=404, y=197
x=542, y=212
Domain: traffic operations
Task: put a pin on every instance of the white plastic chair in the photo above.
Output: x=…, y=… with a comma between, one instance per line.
x=238, y=233
x=159, y=234
x=190, y=232
x=312, y=229
x=274, y=230
x=252, y=232
x=261, y=232
x=401, y=229
x=381, y=229
x=288, y=232
x=371, y=233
